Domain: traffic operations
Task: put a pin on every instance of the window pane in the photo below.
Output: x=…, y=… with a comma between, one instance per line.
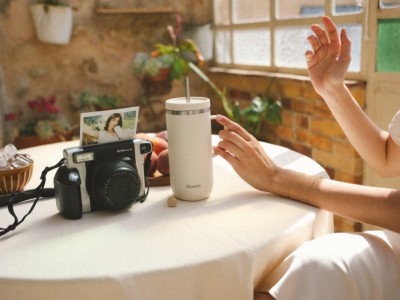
x=222, y=47
x=252, y=47
x=355, y=34
x=348, y=7
x=286, y=9
x=389, y=3
x=250, y=10
x=388, y=53
x=291, y=44
x=221, y=11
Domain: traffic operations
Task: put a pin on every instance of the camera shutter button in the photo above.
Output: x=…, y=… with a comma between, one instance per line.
x=73, y=177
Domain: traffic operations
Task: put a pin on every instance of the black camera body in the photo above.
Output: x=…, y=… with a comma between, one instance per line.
x=107, y=176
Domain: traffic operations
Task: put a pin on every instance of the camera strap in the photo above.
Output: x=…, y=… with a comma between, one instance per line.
x=40, y=191
x=146, y=167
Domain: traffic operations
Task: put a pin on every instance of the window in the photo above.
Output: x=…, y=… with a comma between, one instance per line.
x=388, y=42
x=389, y=3
x=271, y=34
x=388, y=45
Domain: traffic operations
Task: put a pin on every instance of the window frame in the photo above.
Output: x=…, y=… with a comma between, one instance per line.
x=274, y=22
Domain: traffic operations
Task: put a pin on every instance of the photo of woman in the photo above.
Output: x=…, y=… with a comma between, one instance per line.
x=108, y=134
x=119, y=125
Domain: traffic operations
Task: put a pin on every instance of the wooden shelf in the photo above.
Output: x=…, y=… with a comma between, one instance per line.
x=142, y=10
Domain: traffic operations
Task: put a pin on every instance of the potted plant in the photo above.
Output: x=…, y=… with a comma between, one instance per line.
x=171, y=60
x=167, y=62
x=42, y=126
x=53, y=20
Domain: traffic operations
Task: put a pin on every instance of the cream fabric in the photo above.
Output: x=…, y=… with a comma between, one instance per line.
x=342, y=266
x=393, y=238
x=394, y=128
x=212, y=249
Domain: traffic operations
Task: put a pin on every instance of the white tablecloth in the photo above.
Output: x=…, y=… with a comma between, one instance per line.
x=212, y=249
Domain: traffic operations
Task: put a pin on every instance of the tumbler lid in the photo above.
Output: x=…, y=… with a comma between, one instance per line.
x=181, y=104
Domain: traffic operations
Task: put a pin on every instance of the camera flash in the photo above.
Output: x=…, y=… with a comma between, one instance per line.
x=83, y=157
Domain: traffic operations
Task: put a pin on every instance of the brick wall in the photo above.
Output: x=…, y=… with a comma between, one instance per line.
x=308, y=126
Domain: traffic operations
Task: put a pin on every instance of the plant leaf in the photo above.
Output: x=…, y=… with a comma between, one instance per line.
x=274, y=112
x=177, y=68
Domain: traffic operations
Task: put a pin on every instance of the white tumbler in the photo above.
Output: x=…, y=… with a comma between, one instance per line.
x=189, y=147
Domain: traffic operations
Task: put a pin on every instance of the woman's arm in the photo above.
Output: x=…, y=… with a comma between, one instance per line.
x=90, y=131
x=327, y=65
x=371, y=205
x=376, y=206
x=124, y=133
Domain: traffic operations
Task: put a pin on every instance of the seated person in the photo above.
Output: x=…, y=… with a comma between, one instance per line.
x=340, y=265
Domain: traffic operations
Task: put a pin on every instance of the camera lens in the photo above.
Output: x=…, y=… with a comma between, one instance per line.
x=116, y=185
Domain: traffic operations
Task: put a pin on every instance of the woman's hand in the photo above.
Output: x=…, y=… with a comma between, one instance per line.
x=330, y=57
x=245, y=154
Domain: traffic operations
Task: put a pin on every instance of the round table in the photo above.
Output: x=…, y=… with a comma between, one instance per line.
x=218, y=248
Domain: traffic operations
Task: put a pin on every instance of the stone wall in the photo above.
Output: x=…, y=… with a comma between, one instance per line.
x=97, y=59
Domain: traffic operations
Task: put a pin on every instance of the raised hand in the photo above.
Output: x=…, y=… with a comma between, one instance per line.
x=330, y=56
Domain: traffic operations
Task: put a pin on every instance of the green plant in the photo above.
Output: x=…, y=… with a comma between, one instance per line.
x=175, y=56
x=250, y=117
x=261, y=108
x=90, y=102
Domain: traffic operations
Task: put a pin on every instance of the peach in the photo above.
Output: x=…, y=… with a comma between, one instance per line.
x=153, y=164
x=163, y=134
x=159, y=144
x=163, y=162
x=142, y=136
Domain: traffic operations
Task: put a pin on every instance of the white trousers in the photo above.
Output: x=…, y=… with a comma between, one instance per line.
x=353, y=266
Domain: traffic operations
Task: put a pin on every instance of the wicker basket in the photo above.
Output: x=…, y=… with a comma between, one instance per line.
x=15, y=180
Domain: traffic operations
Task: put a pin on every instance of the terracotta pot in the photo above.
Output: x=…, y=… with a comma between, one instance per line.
x=162, y=75
x=159, y=84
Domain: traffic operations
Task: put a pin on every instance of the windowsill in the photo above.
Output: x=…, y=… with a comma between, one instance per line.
x=139, y=10
x=258, y=73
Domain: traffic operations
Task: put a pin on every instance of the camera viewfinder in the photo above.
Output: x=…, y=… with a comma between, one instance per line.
x=81, y=157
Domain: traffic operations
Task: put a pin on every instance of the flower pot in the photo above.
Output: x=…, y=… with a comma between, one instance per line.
x=53, y=23
x=22, y=141
x=159, y=84
x=162, y=75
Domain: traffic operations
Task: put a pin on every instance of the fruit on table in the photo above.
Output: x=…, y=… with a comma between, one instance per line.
x=163, y=134
x=159, y=144
x=142, y=136
x=160, y=148
x=163, y=162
